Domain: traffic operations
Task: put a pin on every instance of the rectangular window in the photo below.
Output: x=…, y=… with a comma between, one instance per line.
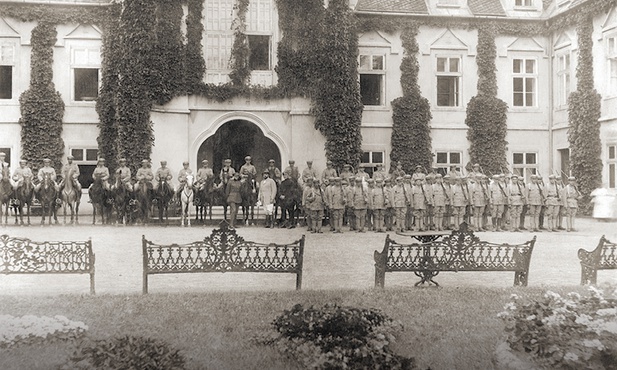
x=524, y=82
x=259, y=52
x=525, y=164
x=445, y=160
x=85, y=64
x=370, y=160
x=219, y=15
x=611, y=54
x=7, y=62
x=86, y=161
x=563, y=79
x=259, y=16
x=523, y=3
x=448, y=81
x=612, y=163
x=218, y=51
x=372, y=75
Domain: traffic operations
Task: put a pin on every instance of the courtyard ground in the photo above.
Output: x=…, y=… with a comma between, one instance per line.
x=331, y=261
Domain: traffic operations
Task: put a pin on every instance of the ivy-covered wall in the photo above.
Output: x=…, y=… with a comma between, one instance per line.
x=42, y=107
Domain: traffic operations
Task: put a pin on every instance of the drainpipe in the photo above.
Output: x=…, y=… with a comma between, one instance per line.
x=551, y=104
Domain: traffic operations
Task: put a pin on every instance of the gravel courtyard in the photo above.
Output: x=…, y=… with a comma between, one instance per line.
x=331, y=261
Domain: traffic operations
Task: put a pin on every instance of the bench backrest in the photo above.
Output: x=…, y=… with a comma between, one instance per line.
x=223, y=251
x=24, y=256
x=604, y=257
x=460, y=251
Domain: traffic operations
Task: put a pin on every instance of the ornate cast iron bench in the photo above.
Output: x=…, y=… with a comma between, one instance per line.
x=222, y=251
x=459, y=251
x=604, y=257
x=24, y=256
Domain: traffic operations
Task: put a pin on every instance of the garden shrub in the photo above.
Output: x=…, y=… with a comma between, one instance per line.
x=126, y=352
x=336, y=337
x=571, y=332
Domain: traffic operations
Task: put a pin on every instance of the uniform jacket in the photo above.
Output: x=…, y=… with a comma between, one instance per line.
x=478, y=194
x=21, y=173
x=46, y=170
x=67, y=167
x=101, y=172
x=309, y=173
x=419, y=197
x=204, y=173
x=381, y=174
x=517, y=196
x=144, y=174
x=360, y=198
x=498, y=193
x=553, y=194
x=249, y=170
x=183, y=174
x=233, y=191
x=327, y=173
x=275, y=174
x=399, y=196
x=571, y=194
x=226, y=174
x=267, y=191
x=535, y=194
x=441, y=194
x=336, y=197
x=378, y=198
x=315, y=199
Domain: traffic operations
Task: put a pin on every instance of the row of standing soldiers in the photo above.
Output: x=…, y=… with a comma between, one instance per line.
x=421, y=202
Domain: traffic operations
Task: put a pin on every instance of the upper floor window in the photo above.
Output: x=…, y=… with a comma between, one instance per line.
x=259, y=52
x=523, y=3
x=563, y=79
x=448, y=81
x=611, y=54
x=372, y=78
x=259, y=17
x=524, y=82
x=85, y=64
x=7, y=64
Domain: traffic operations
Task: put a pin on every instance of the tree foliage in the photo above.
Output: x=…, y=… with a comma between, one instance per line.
x=42, y=107
x=487, y=114
x=411, y=113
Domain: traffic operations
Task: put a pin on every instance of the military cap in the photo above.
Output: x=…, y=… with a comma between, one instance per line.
x=122, y=160
x=379, y=179
x=476, y=165
x=351, y=178
x=329, y=162
x=307, y=162
x=331, y=178
x=266, y=171
x=337, y=179
x=244, y=176
x=438, y=176
x=70, y=157
x=23, y=161
x=145, y=161
x=447, y=176
x=316, y=181
x=358, y=179
x=418, y=166
x=501, y=175
x=533, y=177
x=292, y=161
x=185, y=162
x=344, y=182
x=46, y=160
x=205, y=161
x=572, y=178
x=515, y=176
x=496, y=177
x=407, y=176
x=103, y=160
x=163, y=162
x=551, y=176
x=387, y=179
x=347, y=165
x=399, y=179
x=370, y=181
x=2, y=154
x=271, y=161
x=247, y=157
x=227, y=160
x=430, y=176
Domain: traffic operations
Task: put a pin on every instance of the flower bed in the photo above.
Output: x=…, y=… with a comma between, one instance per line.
x=31, y=329
x=565, y=332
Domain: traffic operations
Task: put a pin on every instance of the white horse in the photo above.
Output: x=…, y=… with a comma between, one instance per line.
x=186, y=199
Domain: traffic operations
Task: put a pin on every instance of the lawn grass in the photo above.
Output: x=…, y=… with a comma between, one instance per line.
x=444, y=328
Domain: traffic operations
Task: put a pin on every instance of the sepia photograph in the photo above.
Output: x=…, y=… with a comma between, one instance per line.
x=308, y=184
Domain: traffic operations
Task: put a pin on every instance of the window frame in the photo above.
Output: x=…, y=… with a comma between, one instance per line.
x=564, y=77
x=375, y=72
x=87, y=180
x=458, y=75
x=524, y=76
x=611, y=63
x=371, y=166
x=611, y=165
x=88, y=48
x=9, y=41
x=525, y=169
x=443, y=168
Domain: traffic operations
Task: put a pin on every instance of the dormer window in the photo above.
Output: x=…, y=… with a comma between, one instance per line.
x=523, y=3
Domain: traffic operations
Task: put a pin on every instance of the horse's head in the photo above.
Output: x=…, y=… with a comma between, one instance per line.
x=189, y=180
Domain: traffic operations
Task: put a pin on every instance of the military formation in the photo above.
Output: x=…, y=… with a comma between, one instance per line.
x=385, y=201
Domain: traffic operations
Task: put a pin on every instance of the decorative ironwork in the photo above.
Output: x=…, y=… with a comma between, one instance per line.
x=604, y=257
x=24, y=256
x=425, y=236
x=459, y=251
x=222, y=251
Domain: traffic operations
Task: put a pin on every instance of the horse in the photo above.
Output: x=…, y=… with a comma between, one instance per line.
x=48, y=195
x=6, y=193
x=24, y=195
x=186, y=199
x=204, y=199
x=248, y=192
x=71, y=196
x=121, y=200
x=143, y=196
x=101, y=199
x=289, y=195
x=163, y=196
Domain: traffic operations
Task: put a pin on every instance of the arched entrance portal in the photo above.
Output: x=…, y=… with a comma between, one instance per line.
x=235, y=140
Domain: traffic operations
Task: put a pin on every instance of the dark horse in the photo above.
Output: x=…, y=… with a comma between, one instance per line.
x=289, y=197
x=248, y=192
x=204, y=199
x=101, y=199
x=122, y=198
x=163, y=196
x=6, y=192
x=25, y=196
x=143, y=196
x=48, y=195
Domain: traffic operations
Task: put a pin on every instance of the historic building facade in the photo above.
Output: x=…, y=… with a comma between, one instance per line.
x=534, y=76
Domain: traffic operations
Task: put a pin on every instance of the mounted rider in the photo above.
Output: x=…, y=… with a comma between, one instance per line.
x=227, y=172
x=4, y=167
x=248, y=169
x=125, y=174
x=145, y=173
x=182, y=175
x=46, y=170
x=101, y=173
x=68, y=167
x=162, y=173
x=22, y=173
x=275, y=173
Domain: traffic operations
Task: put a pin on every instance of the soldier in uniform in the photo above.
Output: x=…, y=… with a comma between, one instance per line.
x=287, y=190
x=417, y=174
x=516, y=200
x=336, y=202
x=227, y=172
x=205, y=172
x=308, y=186
x=234, y=197
x=22, y=173
x=275, y=173
x=346, y=173
x=316, y=205
x=441, y=197
x=293, y=171
x=380, y=173
x=460, y=200
x=398, y=171
x=125, y=174
x=248, y=169
x=479, y=199
x=101, y=173
x=5, y=170
x=400, y=202
x=535, y=199
x=553, y=202
x=407, y=187
x=330, y=171
x=370, y=223
x=184, y=172
x=498, y=200
x=65, y=172
x=359, y=204
x=429, y=180
x=389, y=213
x=267, y=196
x=162, y=173
x=379, y=202
x=454, y=172
x=571, y=195
x=349, y=210
x=420, y=201
x=309, y=172
x=362, y=174
x=48, y=170
x=447, y=217
x=145, y=174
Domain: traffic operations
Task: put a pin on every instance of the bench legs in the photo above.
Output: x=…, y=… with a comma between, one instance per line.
x=589, y=275
x=426, y=276
x=520, y=278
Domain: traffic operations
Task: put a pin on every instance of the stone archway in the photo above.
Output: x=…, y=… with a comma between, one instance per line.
x=234, y=140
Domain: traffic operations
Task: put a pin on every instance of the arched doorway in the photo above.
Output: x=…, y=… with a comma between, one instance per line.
x=235, y=140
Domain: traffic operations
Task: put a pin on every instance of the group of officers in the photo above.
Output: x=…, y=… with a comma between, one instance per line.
x=386, y=201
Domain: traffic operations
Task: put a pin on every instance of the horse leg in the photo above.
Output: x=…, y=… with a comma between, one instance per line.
x=188, y=211
x=77, y=213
